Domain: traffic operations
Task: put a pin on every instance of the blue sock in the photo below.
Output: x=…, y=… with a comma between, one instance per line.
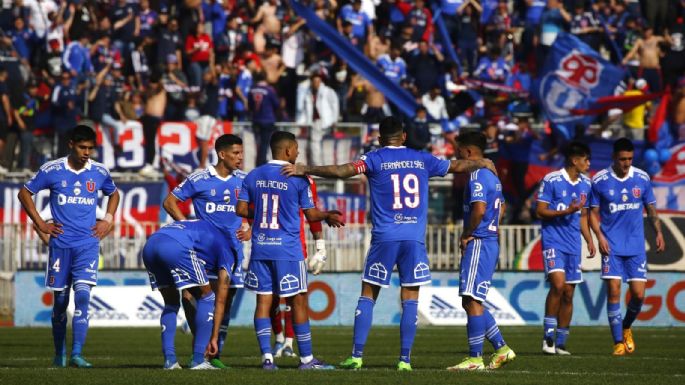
x=262, y=327
x=59, y=320
x=408, y=328
x=168, y=322
x=79, y=323
x=204, y=322
x=562, y=334
x=492, y=332
x=614, y=314
x=550, y=325
x=634, y=308
x=304, y=339
x=475, y=330
x=362, y=325
x=223, y=330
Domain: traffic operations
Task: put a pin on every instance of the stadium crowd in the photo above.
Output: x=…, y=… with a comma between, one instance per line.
x=111, y=61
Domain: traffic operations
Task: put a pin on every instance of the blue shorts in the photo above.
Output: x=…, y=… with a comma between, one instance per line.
x=281, y=278
x=237, y=281
x=72, y=265
x=559, y=261
x=477, y=267
x=168, y=264
x=627, y=268
x=409, y=256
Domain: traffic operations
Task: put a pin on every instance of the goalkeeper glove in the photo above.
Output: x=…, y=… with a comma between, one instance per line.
x=317, y=262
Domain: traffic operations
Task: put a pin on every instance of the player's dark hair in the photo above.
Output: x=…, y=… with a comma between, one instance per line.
x=575, y=149
x=225, y=141
x=623, y=144
x=390, y=126
x=279, y=140
x=82, y=133
x=473, y=138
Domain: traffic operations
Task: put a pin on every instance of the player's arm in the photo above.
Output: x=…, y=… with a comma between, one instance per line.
x=221, y=293
x=171, y=207
x=656, y=224
x=332, y=218
x=476, y=216
x=50, y=229
x=104, y=227
x=43, y=237
x=545, y=213
x=594, y=225
x=243, y=209
x=333, y=171
x=585, y=231
x=466, y=165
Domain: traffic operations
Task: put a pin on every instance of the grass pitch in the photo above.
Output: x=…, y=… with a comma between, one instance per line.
x=133, y=356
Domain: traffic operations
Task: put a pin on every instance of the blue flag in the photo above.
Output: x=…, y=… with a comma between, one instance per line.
x=574, y=75
x=489, y=7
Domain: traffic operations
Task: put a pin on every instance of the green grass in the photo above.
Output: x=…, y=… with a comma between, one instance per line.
x=133, y=356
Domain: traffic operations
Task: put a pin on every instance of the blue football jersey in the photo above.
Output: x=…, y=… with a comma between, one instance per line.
x=398, y=181
x=73, y=198
x=277, y=201
x=559, y=192
x=484, y=186
x=621, y=203
x=210, y=246
x=214, y=198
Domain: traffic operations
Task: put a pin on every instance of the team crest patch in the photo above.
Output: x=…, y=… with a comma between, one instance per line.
x=90, y=186
x=52, y=280
x=550, y=264
x=637, y=192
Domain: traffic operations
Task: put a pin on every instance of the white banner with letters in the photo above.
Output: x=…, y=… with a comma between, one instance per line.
x=442, y=306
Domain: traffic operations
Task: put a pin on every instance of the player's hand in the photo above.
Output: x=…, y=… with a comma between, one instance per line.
x=490, y=165
x=575, y=206
x=603, y=245
x=244, y=233
x=334, y=218
x=318, y=261
x=101, y=229
x=591, y=250
x=463, y=242
x=212, y=347
x=293, y=169
x=51, y=229
x=660, y=245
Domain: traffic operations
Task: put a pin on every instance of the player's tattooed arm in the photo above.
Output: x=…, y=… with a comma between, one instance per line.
x=656, y=223
x=171, y=207
x=243, y=209
x=466, y=165
x=343, y=171
x=332, y=217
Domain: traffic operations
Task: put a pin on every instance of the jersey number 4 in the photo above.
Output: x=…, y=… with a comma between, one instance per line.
x=272, y=222
x=410, y=185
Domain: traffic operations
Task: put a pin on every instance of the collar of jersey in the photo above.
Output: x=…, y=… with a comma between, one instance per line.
x=625, y=178
x=278, y=162
x=212, y=172
x=395, y=147
x=564, y=173
x=67, y=167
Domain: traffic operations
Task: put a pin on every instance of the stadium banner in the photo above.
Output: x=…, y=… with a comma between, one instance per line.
x=442, y=306
x=140, y=202
x=333, y=298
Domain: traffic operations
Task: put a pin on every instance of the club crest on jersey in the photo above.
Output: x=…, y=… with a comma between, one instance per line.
x=637, y=192
x=237, y=193
x=212, y=192
x=90, y=186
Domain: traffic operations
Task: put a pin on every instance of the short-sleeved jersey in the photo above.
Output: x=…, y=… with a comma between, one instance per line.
x=484, y=186
x=73, y=198
x=214, y=198
x=398, y=181
x=558, y=191
x=395, y=70
x=205, y=240
x=621, y=203
x=277, y=201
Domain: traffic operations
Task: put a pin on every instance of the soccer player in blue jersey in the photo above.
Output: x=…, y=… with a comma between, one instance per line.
x=214, y=192
x=74, y=182
x=563, y=205
x=483, y=208
x=620, y=194
x=398, y=180
x=182, y=256
x=277, y=265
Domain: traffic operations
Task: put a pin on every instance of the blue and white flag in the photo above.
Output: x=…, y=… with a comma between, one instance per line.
x=573, y=77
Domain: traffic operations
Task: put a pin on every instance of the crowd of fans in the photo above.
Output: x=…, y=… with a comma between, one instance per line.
x=111, y=61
